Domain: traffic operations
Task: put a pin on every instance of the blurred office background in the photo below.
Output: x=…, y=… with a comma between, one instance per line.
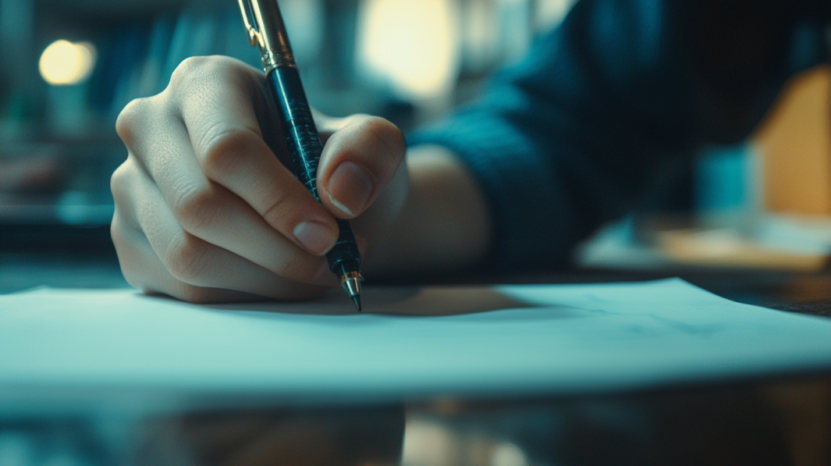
x=70, y=66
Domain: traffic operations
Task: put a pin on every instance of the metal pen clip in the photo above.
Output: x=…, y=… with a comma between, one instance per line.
x=264, y=25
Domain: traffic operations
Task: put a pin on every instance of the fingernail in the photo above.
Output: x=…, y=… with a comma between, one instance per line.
x=315, y=237
x=350, y=187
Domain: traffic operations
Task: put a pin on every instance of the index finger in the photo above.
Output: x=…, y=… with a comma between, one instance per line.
x=229, y=144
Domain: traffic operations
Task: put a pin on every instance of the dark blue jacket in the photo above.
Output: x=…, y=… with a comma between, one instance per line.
x=605, y=113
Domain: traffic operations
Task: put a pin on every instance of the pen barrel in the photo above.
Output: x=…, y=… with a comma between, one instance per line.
x=344, y=256
x=299, y=130
x=303, y=142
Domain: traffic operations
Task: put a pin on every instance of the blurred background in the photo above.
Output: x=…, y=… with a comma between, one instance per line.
x=72, y=65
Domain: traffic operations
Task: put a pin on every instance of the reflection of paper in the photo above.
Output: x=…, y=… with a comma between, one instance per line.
x=546, y=339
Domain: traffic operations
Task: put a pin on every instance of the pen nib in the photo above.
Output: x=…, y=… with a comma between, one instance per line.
x=351, y=283
x=357, y=300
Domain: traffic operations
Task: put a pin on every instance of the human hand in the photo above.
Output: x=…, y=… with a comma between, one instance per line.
x=204, y=209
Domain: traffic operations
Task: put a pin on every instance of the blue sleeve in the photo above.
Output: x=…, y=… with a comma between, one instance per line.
x=606, y=111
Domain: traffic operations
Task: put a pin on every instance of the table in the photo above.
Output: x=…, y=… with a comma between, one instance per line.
x=782, y=421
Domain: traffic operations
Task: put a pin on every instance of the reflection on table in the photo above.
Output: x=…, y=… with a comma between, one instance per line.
x=776, y=423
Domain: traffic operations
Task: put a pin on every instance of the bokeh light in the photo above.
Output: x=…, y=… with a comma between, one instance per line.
x=412, y=43
x=65, y=63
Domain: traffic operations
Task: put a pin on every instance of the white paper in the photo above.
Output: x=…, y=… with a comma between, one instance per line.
x=548, y=339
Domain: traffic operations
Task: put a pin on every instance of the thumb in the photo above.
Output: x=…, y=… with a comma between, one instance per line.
x=358, y=162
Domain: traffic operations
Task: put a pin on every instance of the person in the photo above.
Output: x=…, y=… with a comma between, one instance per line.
x=603, y=116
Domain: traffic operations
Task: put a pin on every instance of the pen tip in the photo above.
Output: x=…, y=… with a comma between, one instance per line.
x=357, y=300
x=351, y=283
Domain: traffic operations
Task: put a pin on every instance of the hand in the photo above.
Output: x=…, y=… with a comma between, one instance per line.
x=204, y=209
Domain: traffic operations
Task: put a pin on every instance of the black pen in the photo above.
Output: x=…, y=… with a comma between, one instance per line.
x=266, y=29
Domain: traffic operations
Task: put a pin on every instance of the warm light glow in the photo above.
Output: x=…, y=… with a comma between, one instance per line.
x=508, y=454
x=549, y=13
x=413, y=43
x=429, y=442
x=64, y=63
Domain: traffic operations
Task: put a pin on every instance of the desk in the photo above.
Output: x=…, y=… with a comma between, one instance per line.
x=785, y=421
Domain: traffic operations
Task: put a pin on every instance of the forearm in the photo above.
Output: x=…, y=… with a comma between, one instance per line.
x=445, y=224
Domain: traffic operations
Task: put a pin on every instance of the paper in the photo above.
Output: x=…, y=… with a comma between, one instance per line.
x=557, y=339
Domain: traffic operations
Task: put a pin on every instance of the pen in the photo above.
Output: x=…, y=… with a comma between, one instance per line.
x=265, y=27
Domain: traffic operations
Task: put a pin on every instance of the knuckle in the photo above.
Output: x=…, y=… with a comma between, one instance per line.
x=188, y=69
x=123, y=181
x=185, y=258
x=188, y=80
x=194, y=208
x=224, y=150
x=195, y=72
x=119, y=181
x=274, y=209
x=131, y=117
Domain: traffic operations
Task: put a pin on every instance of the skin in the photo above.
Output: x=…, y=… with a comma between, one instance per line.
x=206, y=212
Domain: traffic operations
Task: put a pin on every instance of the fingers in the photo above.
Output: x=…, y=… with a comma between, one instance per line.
x=358, y=162
x=143, y=270
x=157, y=254
x=211, y=213
x=226, y=138
x=215, y=140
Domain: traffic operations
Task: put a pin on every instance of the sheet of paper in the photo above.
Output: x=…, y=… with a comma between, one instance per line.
x=552, y=339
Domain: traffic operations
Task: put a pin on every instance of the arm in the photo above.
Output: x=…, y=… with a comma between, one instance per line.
x=605, y=114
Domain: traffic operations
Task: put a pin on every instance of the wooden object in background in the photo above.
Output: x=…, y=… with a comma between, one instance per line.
x=795, y=145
